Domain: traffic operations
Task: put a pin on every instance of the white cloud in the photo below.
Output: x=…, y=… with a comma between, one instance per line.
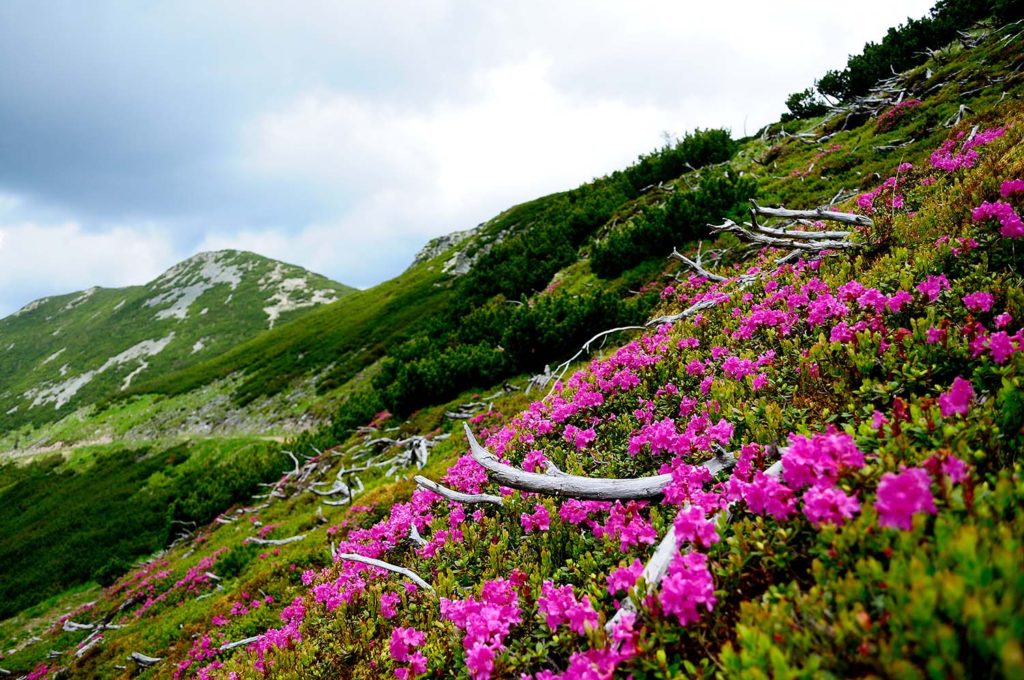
x=359, y=130
x=44, y=259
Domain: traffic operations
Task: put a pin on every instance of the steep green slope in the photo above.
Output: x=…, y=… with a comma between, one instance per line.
x=873, y=396
x=59, y=353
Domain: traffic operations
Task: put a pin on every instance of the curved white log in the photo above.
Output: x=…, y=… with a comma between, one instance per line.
x=574, y=486
x=409, y=574
x=457, y=496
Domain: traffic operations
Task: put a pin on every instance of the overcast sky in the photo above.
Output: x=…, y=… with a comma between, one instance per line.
x=341, y=135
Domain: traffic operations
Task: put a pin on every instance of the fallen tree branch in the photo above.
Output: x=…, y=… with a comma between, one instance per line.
x=689, y=311
x=457, y=496
x=276, y=541
x=239, y=643
x=574, y=486
x=789, y=242
x=409, y=574
x=815, y=214
x=667, y=549
x=143, y=660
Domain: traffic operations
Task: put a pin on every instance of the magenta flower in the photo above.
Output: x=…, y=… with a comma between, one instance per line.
x=540, y=520
x=935, y=336
x=1010, y=222
x=692, y=525
x=687, y=585
x=1000, y=346
x=403, y=640
x=932, y=286
x=958, y=399
x=819, y=460
x=829, y=505
x=624, y=578
x=559, y=605
x=978, y=301
x=388, y=602
x=1010, y=187
x=901, y=496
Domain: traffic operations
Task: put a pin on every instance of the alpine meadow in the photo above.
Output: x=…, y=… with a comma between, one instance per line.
x=747, y=408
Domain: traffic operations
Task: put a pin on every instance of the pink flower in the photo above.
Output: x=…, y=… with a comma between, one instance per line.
x=540, y=520
x=535, y=461
x=958, y=399
x=624, y=578
x=1010, y=187
x=1010, y=221
x=955, y=469
x=480, y=661
x=388, y=601
x=692, y=525
x=932, y=286
x=902, y=495
x=935, y=336
x=820, y=459
x=829, y=505
x=559, y=605
x=687, y=585
x=978, y=301
x=1000, y=346
x=403, y=640
x=1003, y=320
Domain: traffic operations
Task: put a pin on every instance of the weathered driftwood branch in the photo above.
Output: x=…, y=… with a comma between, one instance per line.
x=564, y=366
x=667, y=549
x=457, y=496
x=409, y=574
x=143, y=660
x=573, y=486
x=815, y=214
x=70, y=626
x=689, y=311
x=239, y=643
x=415, y=537
x=755, y=234
x=275, y=541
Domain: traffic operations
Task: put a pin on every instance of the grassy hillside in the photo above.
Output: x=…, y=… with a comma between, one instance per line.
x=840, y=432
x=62, y=352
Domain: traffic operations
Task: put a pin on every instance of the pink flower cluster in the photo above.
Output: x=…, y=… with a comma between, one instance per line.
x=957, y=401
x=951, y=157
x=901, y=496
x=1011, y=225
x=889, y=190
x=403, y=641
x=559, y=605
x=539, y=520
x=487, y=623
x=687, y=585
x=888, y=119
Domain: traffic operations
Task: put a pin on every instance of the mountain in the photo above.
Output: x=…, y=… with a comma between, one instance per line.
x=595, y=436
x=62, y=352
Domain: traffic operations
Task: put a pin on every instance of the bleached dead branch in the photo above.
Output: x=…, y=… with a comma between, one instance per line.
x=275, y=541
x=667, y=549
x=574, y=486
x=457, y=496
x=409, y=574
x=143, y=660
x=239, y=643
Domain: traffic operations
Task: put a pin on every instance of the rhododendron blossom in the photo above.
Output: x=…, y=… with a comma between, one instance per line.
x=559, y=605
x=624, y=578
x=687, y=585
x=958, y=399
x=539, y=520
x=979, y=301
x=1011, y=225
x=901, y=496
x=829, y=505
